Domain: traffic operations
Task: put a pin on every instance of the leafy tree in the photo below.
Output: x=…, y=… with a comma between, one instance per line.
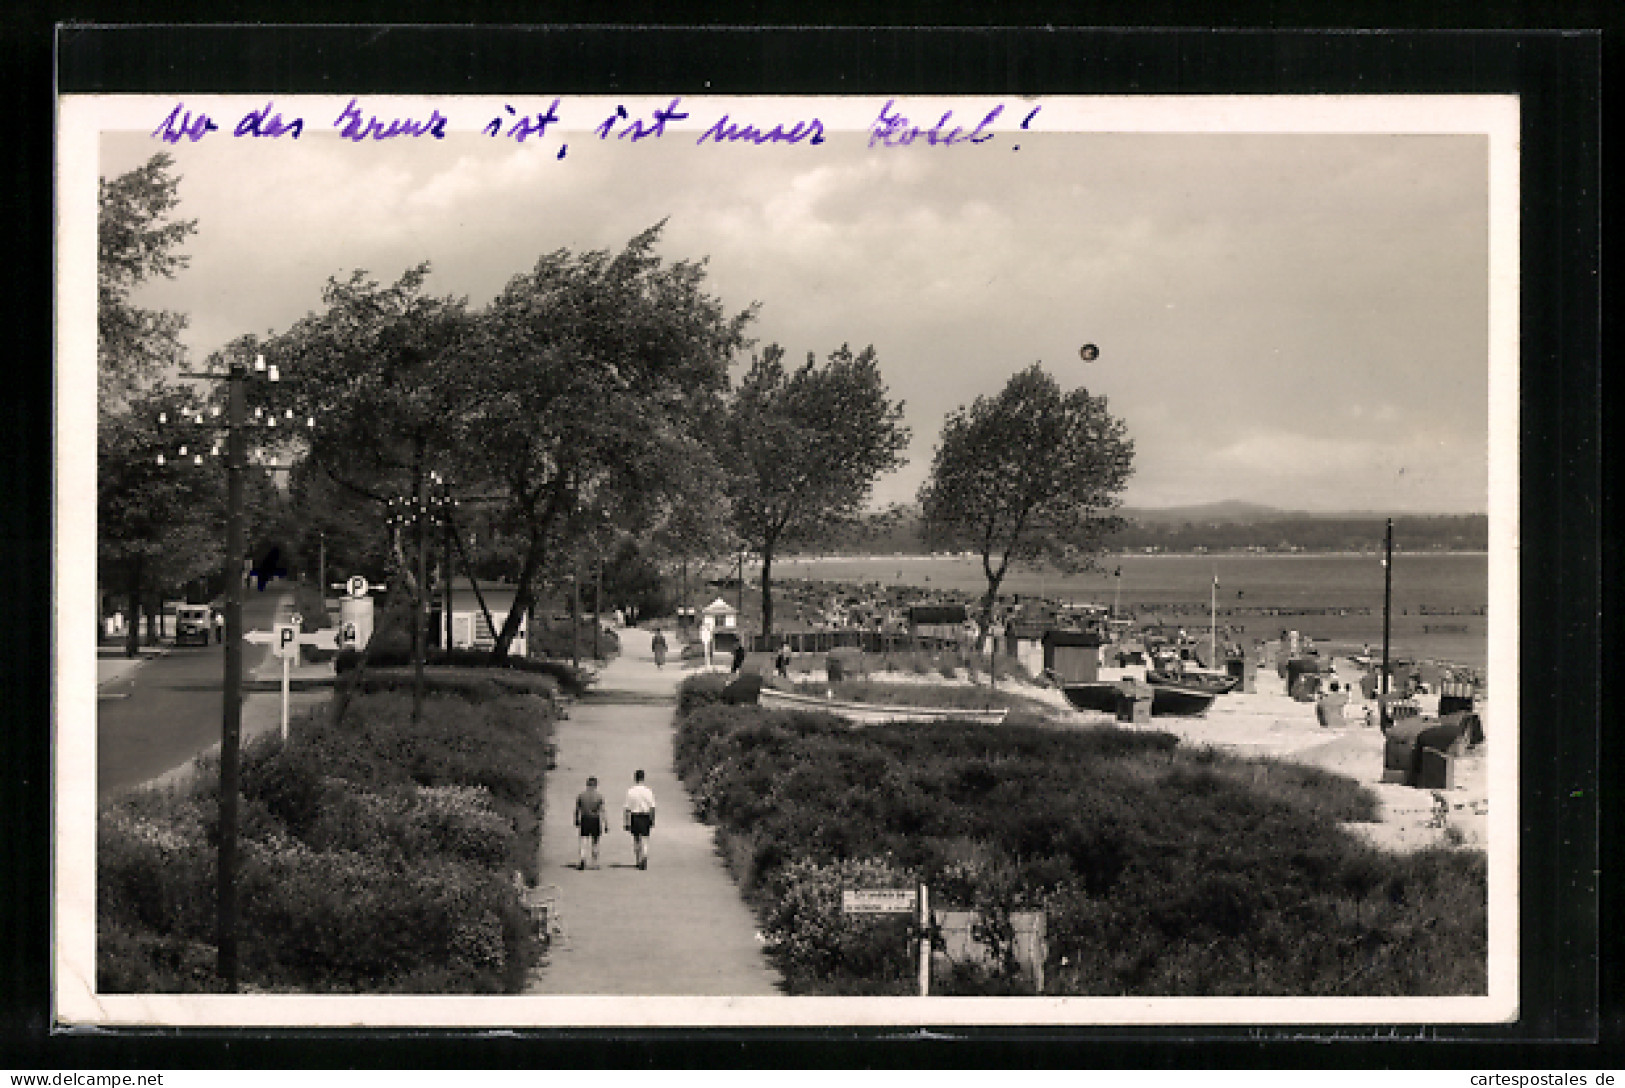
x=157, y=525
x=803, y=447
x=1028, y=475
x=148, y=516
x=375, y=375
x=136, y=240
x=588, y=380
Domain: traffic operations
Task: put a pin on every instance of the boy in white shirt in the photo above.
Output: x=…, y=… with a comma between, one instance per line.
x=639, y=815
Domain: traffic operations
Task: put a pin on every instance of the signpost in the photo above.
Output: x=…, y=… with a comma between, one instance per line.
x=898, y=901
x=285, y=640
x=878, y=901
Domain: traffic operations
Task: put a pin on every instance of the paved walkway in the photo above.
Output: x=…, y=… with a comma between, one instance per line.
x=676, y=928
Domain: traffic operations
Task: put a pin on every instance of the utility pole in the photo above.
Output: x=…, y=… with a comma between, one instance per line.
x=420, y=607
x=232, y=725
x=445, y=578
x=575, y=610
x=1387, y=612
x=597, y=604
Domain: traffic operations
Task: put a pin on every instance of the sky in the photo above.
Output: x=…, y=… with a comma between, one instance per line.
x=1293, y=320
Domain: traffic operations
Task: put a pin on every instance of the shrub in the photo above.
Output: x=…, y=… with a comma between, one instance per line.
x=554, y=642
x=1161, y=870
x=815, y=943
x=571, y=680
x=376, y=855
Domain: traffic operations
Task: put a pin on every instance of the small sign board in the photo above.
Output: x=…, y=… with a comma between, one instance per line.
x=879, y=901
x=287, y=640
x=357, y=586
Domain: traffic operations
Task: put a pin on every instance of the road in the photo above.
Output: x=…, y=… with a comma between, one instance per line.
x=169, y=710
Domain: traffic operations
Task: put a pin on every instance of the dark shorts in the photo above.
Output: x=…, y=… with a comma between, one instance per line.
x=641, y=823
x=591, y=827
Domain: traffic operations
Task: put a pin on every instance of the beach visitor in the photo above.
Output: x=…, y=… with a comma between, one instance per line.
x=782, y=661
x=589, y=820
x=639, y=818
x=739, y=656
x=658, y=645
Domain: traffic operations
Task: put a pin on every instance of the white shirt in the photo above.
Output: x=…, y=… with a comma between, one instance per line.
x=640, y=799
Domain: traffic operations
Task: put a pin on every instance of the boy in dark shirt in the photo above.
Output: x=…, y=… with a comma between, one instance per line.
x=589, y=820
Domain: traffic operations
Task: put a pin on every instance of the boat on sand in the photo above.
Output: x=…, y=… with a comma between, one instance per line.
x=1166, y=698
x=876, y=713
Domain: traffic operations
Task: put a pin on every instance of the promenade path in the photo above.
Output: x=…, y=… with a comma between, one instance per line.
x=677, y=928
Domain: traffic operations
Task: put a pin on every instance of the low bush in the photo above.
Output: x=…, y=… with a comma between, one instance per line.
x=555, y=642
x=571, y=680
x=1161, y=870
x=376, y=854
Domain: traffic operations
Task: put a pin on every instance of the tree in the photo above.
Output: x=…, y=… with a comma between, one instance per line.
x=803, y=448
x=1028, y=475
x=375, y=374
x=146, y=512
x=136, y=240
x=148, y=515
x=588, y=380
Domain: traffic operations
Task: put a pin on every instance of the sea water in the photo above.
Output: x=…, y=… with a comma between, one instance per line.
x=1440, y=600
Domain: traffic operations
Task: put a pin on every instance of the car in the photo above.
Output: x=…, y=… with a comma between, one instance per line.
x=194, y=623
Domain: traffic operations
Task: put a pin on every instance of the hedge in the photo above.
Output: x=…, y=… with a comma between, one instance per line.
x=377, y=855
x=571, y=680
x=1162, y=870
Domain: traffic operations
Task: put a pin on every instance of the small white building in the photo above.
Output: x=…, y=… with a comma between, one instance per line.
x=723, y=616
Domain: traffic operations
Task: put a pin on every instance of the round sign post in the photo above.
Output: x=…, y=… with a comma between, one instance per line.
x=357, y=586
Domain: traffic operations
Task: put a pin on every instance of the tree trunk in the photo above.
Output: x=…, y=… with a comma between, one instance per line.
x=521, y=601
x=132, y=637
x=767, y=592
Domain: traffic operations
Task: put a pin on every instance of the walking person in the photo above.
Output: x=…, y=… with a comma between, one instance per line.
x=658, y=645
x=589, y=820
x=782, y=661
x=639, y=817
x=739, y=656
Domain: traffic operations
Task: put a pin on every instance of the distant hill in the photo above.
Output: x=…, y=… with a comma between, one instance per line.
x=1229, y=526
x=1229, y=510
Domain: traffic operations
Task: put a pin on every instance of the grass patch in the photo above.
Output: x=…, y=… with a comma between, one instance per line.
x=376, y=855
x=1162, y=870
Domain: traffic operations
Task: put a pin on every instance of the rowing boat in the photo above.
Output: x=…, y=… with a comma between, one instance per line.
x=876, y=713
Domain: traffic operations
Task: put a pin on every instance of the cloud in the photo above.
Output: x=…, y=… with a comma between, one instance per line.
x=1280, y=318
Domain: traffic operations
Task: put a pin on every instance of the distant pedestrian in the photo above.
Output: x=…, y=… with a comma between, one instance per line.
x=219, y=626
x=782, y=661
x=639, y=817
x=739, y=655
x=658, y=645
x=589, y=820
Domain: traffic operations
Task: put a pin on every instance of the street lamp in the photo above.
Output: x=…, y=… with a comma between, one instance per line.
x=232, y=717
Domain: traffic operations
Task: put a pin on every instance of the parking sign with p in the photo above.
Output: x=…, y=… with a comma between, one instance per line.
x=287, y=640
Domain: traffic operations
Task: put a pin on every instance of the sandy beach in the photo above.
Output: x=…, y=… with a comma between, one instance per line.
x=1270, y=724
